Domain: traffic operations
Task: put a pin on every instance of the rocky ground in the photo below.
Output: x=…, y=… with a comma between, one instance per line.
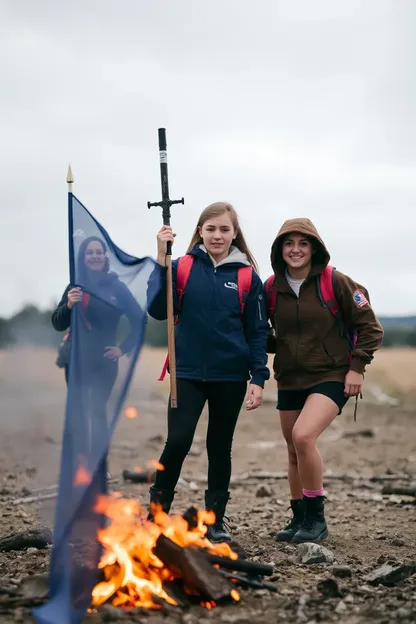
x=369, y=572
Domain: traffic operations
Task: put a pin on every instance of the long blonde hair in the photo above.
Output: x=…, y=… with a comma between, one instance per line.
x=215, y=210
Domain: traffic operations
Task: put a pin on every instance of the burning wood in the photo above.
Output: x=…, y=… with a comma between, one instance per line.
x=142, y=560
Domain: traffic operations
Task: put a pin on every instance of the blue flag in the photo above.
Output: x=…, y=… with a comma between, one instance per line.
x=100, y=350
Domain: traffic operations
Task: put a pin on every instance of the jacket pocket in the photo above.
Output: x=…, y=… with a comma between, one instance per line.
x=337, y=352
x=285, y=358
x=330, y=358
x=314, y=358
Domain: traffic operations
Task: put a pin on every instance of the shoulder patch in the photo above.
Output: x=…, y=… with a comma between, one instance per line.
x=360, y=299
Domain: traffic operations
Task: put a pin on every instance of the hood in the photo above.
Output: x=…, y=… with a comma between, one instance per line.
x=234, y=257
x=321, y=257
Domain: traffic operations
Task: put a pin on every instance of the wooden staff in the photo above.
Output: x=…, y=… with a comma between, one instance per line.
x=165, y=204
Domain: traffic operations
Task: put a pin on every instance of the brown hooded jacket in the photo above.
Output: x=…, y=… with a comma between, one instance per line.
x=309, y=346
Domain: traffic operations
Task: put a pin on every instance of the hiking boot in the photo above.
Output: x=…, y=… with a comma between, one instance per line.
x=313, y=528
x=163, y=498
x=216, y=501
x=286, y=534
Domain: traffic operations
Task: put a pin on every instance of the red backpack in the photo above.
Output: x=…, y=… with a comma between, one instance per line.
x=183, y=271
x=326, y=294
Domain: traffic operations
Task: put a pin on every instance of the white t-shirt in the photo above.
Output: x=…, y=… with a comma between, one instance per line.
x=295, y=284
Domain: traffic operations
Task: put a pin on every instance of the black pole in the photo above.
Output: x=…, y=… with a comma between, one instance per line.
x=166, y=202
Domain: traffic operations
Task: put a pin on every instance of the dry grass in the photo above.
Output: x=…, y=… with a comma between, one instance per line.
x=394, y=370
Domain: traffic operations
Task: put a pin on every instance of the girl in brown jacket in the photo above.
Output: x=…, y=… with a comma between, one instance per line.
x=314, y=370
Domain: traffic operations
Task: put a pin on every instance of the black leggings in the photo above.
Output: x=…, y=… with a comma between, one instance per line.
x=224, y=404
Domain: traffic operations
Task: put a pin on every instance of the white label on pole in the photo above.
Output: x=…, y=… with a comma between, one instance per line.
x=163, y=157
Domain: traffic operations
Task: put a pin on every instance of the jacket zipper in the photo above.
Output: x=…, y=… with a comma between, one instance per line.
x=259, y=306
x=298, y=324
x=204, y=367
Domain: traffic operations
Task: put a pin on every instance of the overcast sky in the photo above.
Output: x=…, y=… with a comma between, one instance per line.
x=284, y=108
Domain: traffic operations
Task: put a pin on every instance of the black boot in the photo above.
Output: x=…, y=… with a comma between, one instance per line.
x=163, y=498
x=216, y=501
x=298, y=509
x=314, y=528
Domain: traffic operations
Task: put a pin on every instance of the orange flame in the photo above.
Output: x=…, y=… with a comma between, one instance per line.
x=131, y=412
x=133, y=573
x=235, y=595
x=156, y=465
x=82, y=476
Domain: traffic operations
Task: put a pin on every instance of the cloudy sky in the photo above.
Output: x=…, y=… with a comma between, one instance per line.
x=284, y=108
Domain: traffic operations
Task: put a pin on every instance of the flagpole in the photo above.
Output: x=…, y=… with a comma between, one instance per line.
x=70, y=181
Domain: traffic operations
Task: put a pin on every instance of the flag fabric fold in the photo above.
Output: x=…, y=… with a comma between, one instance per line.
x=105, y=337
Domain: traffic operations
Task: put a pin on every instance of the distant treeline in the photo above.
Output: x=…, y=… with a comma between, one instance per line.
x=31, y=326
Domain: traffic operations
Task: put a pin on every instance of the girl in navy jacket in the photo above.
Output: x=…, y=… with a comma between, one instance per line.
x=218, y=349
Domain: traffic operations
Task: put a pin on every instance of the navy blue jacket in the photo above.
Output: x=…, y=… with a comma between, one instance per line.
x=104, y=317
x=214, y=342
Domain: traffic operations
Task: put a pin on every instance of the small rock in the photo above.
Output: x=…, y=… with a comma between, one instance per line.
x=390, y=575
x=341, y=607
x=111, y=614
x=263, y=492
x=156, y=438
x=32, y=550
x=19, y=615
x=310, y=553
x=403, y=613
x=398, y=542
x=329, y=588
x=342, y=571
x=36, y=586
x=230, y=617
x=382, y=559
x=350, y=599
x=49, y=440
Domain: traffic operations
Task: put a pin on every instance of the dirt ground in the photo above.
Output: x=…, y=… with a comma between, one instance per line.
x=367, y=529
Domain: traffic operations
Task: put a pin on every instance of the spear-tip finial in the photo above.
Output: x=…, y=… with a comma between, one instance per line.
x=70, y=178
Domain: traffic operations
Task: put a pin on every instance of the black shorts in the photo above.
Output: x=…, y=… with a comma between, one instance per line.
x=288, y=400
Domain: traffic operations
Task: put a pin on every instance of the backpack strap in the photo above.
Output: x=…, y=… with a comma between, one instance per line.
x=244, y=279
x=271, y=296
x=326, y=293
x=183, y=271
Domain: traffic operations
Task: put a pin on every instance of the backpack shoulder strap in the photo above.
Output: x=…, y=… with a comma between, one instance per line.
x=244, y=279
x=271, y=296
x=183, y=271
x=325, y=284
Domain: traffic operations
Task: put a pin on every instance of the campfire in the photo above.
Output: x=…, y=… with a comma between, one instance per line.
x=167, y=561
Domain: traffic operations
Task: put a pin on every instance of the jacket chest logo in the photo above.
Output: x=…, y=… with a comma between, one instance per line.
x=232, y=285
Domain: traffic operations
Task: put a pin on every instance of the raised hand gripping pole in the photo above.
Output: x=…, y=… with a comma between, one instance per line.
x=165, y=204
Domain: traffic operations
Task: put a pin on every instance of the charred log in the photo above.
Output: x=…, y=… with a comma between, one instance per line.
x=194, y=569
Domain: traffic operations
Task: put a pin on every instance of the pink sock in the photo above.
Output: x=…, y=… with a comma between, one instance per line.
x=313, y=493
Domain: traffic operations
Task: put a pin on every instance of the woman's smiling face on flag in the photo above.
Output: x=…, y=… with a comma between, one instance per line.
x=95, y=256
